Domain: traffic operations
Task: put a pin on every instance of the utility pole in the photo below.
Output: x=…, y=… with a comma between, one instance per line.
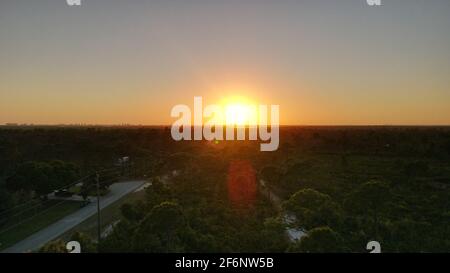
x=97, y=178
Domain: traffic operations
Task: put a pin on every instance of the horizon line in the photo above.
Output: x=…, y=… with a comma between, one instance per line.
x=12, y=124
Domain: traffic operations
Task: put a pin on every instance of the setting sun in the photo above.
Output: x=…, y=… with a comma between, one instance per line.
x=239, y=111
x=239, y=114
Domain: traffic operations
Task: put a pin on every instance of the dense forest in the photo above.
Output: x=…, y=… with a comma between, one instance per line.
x=344, y=186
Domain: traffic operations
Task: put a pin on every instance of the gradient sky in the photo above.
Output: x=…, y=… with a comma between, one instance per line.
x=324, y=62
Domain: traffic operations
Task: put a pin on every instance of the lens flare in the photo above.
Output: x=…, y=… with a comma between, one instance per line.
x=242, y=185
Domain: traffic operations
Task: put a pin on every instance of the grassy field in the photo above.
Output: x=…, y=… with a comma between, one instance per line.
x=46, y=215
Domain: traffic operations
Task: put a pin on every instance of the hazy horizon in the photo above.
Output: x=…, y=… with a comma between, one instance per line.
x=11, y=124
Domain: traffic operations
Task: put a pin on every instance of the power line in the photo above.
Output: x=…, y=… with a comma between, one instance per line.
x=36, y=199
x=47, y=209
x=30, y=208
x=28, y=219
x=61, y=188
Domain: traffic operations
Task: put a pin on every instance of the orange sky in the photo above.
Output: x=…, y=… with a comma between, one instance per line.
x=324, y=63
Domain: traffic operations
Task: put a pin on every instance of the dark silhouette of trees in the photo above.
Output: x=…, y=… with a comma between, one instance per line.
x=369, y=198
x=317, y=170
x=320, y=240
x=160, y=228
x=59, y=246
x=42, y=177
x=56, y=246
x=313, y=209
x=271, y=174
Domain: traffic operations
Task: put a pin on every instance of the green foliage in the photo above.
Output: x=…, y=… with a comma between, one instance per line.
x=159, y=230
x=86, y=242
x=6, y=199
x=157, y=193
x=273, y=236
x=59, y=246
x=133, y=212
x=42, y=177
x=165, y=218
x=56, y=246
x=370, y=199
x=416, y=168
x=313, y=209
x=372, y=195
x=320, y=240
x=271, y=174
x=120, y=240
x=391, y=183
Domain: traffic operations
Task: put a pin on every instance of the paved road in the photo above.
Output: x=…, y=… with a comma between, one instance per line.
x=56, y=229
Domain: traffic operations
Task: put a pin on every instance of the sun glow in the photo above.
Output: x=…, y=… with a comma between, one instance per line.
x=239, y=111
x=208, y=122
x=237, y=114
